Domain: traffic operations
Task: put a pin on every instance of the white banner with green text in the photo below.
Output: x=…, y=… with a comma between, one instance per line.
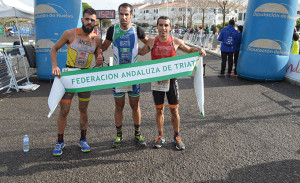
x=129, y=74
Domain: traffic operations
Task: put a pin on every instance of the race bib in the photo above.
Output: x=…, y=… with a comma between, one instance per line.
x=81, y=59
x=70, y=69
x=124, y=89
x=161, y=85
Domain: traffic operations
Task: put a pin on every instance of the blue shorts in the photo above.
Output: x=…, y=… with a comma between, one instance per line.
x=136, y=90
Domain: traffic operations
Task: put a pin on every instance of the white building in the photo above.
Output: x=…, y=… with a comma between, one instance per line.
x=176, y=10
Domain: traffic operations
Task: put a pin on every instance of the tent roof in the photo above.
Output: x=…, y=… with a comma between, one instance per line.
x=11, y=9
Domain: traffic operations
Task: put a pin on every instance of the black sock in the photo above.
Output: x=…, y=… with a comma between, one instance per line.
x=83, y=135
x=137, y=130
x=60, y=138
x=160, y=133
x=119, y=131
x=176, y=134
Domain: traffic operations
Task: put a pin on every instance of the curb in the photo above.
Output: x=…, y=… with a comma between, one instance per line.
x=292, y=81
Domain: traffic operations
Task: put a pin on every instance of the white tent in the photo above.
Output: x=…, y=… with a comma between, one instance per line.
x=14, y=10
x=10, y=9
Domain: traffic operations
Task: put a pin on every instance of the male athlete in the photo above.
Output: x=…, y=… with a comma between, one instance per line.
x=83, y=44
x=125, y=37
x=164, y=46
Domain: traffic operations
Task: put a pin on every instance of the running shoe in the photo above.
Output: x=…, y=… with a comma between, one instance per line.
x=84, y=146
x=58, y=149
x=140, y=141
x=159, y=141
x=118, y=142
x=221, y=75
x=178, y=143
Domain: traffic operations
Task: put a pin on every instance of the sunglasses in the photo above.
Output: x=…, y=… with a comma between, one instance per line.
x=88, y=19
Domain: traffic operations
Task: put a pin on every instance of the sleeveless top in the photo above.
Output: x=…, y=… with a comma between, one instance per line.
x=81, y=51
x=163, y=49
x=125, y=45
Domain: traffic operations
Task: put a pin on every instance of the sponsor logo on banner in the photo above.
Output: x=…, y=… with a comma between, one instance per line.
x=267, y=46
x=293, y=67
x=45, y=45
x=50, y=11
x=275, y=10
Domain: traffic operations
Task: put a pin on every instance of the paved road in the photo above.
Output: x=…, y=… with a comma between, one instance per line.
x=250, y=134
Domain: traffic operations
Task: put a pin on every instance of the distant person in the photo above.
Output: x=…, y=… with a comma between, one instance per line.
x=83, y=45
x=227, y=36
x=207, y=30
x=215, y=29
x=5, y=30
x=96, y=31
x=295, y=44
x=237, y=45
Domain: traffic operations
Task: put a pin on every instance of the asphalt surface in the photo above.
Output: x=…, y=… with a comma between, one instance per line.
x=250, y=133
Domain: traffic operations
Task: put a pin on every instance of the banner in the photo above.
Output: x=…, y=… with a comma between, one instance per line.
x=128, y=74
x=293, y=68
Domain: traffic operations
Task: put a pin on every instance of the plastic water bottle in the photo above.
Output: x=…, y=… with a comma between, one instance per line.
x=26, y=143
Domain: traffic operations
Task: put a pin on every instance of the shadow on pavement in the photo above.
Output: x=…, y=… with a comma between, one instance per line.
x=280, y=171
x=41, y=159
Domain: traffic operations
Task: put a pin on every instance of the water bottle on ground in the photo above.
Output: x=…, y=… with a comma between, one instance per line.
x=26, y=143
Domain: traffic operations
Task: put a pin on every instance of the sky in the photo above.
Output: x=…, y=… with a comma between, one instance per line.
x=97, y=4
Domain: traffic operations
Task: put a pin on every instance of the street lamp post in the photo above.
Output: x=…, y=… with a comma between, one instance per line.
x=186, y=2
x=167, y=8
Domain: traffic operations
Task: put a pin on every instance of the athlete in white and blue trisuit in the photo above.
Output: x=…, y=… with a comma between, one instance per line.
x=125, y=37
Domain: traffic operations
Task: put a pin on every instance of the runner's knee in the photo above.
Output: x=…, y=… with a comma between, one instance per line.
x=64, y=112
x=174, y=111
x=160, y=111
x=82, y=109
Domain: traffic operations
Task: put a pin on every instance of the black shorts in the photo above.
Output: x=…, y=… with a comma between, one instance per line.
x=172, y=95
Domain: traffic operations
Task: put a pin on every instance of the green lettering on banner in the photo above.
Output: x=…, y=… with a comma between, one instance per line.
x=93, y=78
x=143, y=73
x=155, y=70
x=176, y=66
x=147, y=71
x=98, y=78
x=181, y=65
x=133, y=73
x=110, y=76
x=82, y=80
x=165, y=68
x=116, y=76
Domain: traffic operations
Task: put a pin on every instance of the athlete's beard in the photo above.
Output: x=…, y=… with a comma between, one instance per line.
x=87, y=30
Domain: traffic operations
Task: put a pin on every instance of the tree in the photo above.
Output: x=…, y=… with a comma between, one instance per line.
x=106, y=22
x=204, y=7
x=85, y=6
x=226, y=5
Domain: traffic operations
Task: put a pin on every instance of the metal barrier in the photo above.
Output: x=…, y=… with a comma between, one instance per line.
x=17, y=68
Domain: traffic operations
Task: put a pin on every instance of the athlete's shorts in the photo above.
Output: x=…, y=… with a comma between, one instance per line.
x=82, y=96
x=136, y=90
x=172, y=96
